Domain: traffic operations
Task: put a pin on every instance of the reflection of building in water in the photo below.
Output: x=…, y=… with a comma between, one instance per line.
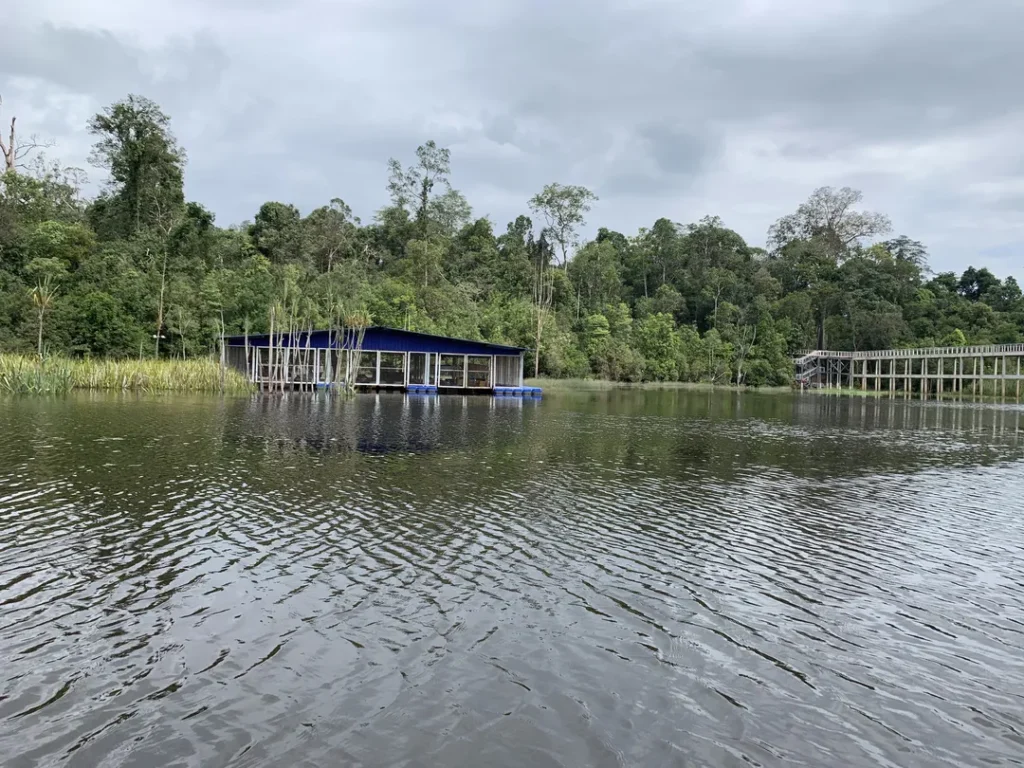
x=377, y=423
x=379, y=358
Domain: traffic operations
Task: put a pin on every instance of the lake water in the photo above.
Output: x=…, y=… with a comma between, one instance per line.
x=611, y=579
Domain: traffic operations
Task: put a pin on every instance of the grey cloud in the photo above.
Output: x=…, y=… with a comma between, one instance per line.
x=98, y=62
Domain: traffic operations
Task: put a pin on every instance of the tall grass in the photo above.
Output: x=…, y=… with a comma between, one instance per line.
x=23, y=374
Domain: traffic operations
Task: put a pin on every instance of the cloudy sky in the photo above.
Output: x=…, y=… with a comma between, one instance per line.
x=675, y=108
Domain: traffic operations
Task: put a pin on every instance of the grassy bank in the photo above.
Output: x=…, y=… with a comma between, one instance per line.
x=24, y=374
x=597, y=385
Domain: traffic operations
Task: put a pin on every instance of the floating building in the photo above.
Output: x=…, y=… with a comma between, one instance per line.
x=379, y=358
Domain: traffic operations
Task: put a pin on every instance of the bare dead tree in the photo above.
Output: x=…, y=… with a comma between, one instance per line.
x=16, y=154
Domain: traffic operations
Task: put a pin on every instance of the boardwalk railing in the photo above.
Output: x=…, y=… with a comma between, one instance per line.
x=991, y=350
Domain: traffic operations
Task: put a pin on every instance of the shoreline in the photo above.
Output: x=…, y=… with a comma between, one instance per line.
x=604, y=385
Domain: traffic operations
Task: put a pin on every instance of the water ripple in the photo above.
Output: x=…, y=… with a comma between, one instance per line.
x=613, y=579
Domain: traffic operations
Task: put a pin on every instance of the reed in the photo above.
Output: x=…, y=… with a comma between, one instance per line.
x=24, y=374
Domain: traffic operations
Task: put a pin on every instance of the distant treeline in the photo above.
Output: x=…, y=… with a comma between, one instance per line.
x=140, y=272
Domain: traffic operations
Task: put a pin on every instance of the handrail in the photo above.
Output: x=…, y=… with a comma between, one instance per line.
x=964, y=351
x=809, y=374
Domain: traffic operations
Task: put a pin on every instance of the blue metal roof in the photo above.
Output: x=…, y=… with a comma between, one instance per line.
x=381, y=338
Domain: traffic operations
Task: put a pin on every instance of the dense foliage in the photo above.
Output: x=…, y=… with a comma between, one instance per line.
x=141, y=272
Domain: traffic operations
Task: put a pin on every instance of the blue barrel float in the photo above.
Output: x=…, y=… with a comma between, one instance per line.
x=517, y=391
x=421, y=389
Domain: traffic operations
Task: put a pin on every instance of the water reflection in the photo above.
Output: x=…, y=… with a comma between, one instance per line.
x=613, y=578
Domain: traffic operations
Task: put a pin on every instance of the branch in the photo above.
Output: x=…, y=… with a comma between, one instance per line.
x=33, y=144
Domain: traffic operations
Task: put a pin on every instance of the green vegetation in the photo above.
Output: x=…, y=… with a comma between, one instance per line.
x=30, y=375
x=141, y=272
x=550, y=385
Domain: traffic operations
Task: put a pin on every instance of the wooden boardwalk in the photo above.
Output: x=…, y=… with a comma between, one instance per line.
x=995, y=371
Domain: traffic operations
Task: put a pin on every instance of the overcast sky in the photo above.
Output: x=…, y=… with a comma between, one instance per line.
x=675, y=108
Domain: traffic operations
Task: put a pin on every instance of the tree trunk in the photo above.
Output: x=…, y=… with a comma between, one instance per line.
x=270, y=353
x=41, y=313
x=10, y=151
x=536, y=346
x=160, y=304
x=223, y=361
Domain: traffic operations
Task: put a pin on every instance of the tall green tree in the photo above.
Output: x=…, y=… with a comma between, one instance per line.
x=144, y=163
x=424, y=190
x=564, y=209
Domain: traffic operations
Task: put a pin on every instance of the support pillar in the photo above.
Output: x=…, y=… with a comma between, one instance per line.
x=1003, y=387
x=938, y=388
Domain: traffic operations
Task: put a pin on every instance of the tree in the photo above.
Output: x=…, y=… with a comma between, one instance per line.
x=145, y=163
x=564, y=210
x=595, y=273
x=424, y=259
x=976, y=283
x=829, y=218
x=330, y=233
x=903, y=248
x=443, y=208
x=543, y=293
x=15, y=152
x=658, y=341
x=47, y=273
x=277, y=233
x=719, y=282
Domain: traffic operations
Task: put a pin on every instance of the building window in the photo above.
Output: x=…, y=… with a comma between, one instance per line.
x=507, y=369
x=419, y=368
x=392, y=368
x=366, y=367
x=478, y=372
x=453, y=371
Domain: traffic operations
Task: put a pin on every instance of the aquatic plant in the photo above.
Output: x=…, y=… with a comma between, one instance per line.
x=28, y=375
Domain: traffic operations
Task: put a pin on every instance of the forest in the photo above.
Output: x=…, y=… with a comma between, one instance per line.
x=138, y=271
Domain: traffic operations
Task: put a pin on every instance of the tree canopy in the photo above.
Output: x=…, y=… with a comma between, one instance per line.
x=140, y=270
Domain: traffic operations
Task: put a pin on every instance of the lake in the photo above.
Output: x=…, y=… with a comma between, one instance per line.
x=620, y=578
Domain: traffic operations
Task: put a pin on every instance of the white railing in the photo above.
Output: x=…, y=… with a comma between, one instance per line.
x=989, y=350
x=807, y=375
x=820, y=353
x=972, y=351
